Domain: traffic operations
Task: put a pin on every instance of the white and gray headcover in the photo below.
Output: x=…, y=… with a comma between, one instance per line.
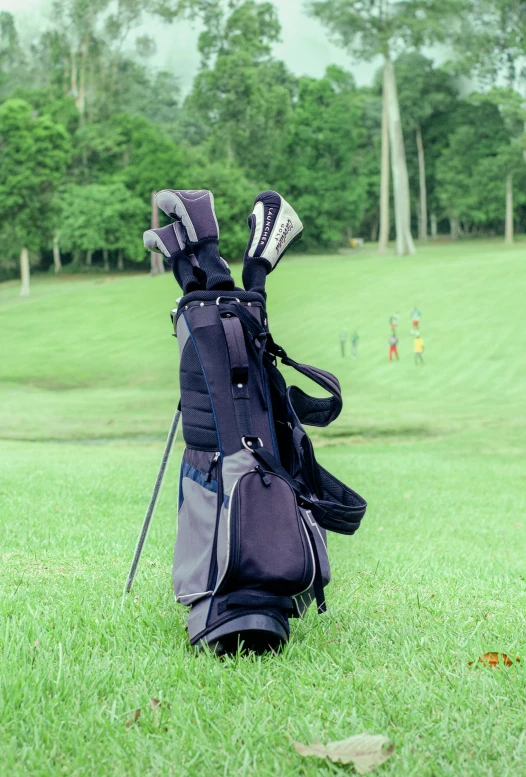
x=274, y=227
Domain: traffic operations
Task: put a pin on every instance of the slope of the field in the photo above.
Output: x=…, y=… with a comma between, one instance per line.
x=95, y=358
x=434, y=578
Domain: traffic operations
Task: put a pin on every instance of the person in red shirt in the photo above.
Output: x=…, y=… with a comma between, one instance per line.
x=393, y=349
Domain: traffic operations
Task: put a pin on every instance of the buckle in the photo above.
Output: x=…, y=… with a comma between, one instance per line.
x=250, y=443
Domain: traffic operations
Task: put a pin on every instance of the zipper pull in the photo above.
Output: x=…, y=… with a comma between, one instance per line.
x=211, y=467
x=262, y=475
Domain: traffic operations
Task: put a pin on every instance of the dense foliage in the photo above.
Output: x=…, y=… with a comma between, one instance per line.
x=87, y=132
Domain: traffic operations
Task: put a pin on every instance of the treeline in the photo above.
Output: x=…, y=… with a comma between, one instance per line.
x=88, y=128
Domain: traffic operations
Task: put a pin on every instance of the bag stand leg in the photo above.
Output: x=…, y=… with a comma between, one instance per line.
x=172, y=434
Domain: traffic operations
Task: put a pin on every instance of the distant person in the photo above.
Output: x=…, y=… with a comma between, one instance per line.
x=419, y=349
x=393, y=321
x=416, y=315
x=393, y=347
x=343, y=339
x=354, y=344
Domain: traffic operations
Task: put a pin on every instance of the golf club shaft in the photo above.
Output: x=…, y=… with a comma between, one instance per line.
x=172, y=434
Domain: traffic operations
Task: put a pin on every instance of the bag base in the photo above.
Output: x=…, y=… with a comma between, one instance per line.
x=250, y=632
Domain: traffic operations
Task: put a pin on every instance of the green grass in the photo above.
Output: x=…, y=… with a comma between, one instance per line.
x=434, y=578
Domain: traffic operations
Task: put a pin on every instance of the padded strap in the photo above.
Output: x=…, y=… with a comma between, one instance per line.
x=312, y=411
x=237, y=351
x=238, y=357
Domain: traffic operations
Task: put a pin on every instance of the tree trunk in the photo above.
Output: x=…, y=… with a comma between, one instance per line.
x=404, y=239
x=74, y=85
x=56, y=253
x=374, y=230
x=384, y=177
x=508, y=238
x=454, y=227
x=422, y=234
x=155, y=259
x=120, y=260
x=89, y=255
x=24, y=272
x=81, y=94
x=434, y=230
x=106, y=259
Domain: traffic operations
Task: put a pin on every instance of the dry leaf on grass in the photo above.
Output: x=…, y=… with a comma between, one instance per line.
x=364, y=751
x=136, y=714
x=494, y=660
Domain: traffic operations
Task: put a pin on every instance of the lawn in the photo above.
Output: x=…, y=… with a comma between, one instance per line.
x=434, y=578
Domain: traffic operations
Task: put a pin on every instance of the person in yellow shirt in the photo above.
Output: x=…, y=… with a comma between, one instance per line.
x=419, y=349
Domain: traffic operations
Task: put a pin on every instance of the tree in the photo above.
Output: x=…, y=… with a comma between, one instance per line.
x=322, y=170
x=512, y=111
x=470, y=169
x=99, y=217
x=243, y=103
x=379, y=29
x=423, y=92
x=34, y=154
x=492, y=43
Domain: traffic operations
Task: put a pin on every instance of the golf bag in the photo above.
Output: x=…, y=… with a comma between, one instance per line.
x=254, y=504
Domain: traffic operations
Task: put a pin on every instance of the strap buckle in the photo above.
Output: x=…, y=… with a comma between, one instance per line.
x=252, y=443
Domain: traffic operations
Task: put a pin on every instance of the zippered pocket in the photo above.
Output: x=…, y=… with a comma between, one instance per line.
x=197, y=519
x=263, y=538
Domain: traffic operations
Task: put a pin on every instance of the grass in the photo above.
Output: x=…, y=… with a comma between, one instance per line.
x=433, y=579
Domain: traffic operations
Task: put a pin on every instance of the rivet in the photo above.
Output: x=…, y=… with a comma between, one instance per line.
x=186, y=307
x=240, y=385
x=249, y=443
x=201, y=304
x=249, y=304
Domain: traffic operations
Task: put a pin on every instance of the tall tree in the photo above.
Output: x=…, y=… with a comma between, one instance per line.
x=34, y=154
x=370, y=29
x=323, y=168
x=423, y=92
x=243, y=102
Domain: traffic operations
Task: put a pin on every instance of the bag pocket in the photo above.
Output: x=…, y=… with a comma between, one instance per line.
x=196, y=523
x=262, y=540
x=341, y=509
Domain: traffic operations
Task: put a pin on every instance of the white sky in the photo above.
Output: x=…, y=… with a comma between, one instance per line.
x=305, y=47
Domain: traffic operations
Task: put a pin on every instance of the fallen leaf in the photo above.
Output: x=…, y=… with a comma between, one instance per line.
x=135, y=717
x=364, y=751
x=494, y=659
x=154, y=703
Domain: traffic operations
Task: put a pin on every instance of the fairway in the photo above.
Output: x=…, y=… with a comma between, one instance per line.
x=435, y=577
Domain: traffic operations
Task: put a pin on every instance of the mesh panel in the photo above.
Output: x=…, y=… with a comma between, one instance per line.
x=199, y=428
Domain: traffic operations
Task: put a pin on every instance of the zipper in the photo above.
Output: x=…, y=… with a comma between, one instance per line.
x=212, y=575
x=262, y=475
x=212, y=466
x=233, y=493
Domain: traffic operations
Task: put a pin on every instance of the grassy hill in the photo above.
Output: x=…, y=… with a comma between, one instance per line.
x=434, y=578
x=95, y=358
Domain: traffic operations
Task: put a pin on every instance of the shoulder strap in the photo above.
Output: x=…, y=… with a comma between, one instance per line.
x=312, y=411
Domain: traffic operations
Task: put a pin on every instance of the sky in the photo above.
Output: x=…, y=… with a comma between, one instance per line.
x=305, y=46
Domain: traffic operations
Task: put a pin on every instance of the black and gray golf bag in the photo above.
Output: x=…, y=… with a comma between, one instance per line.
x=254, y=504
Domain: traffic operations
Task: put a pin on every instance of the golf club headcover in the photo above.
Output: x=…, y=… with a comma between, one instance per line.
x=171, y=242
x=274, y=227
x=194, y=208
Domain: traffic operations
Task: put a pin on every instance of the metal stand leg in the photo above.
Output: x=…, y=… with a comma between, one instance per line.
x=172, y=434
